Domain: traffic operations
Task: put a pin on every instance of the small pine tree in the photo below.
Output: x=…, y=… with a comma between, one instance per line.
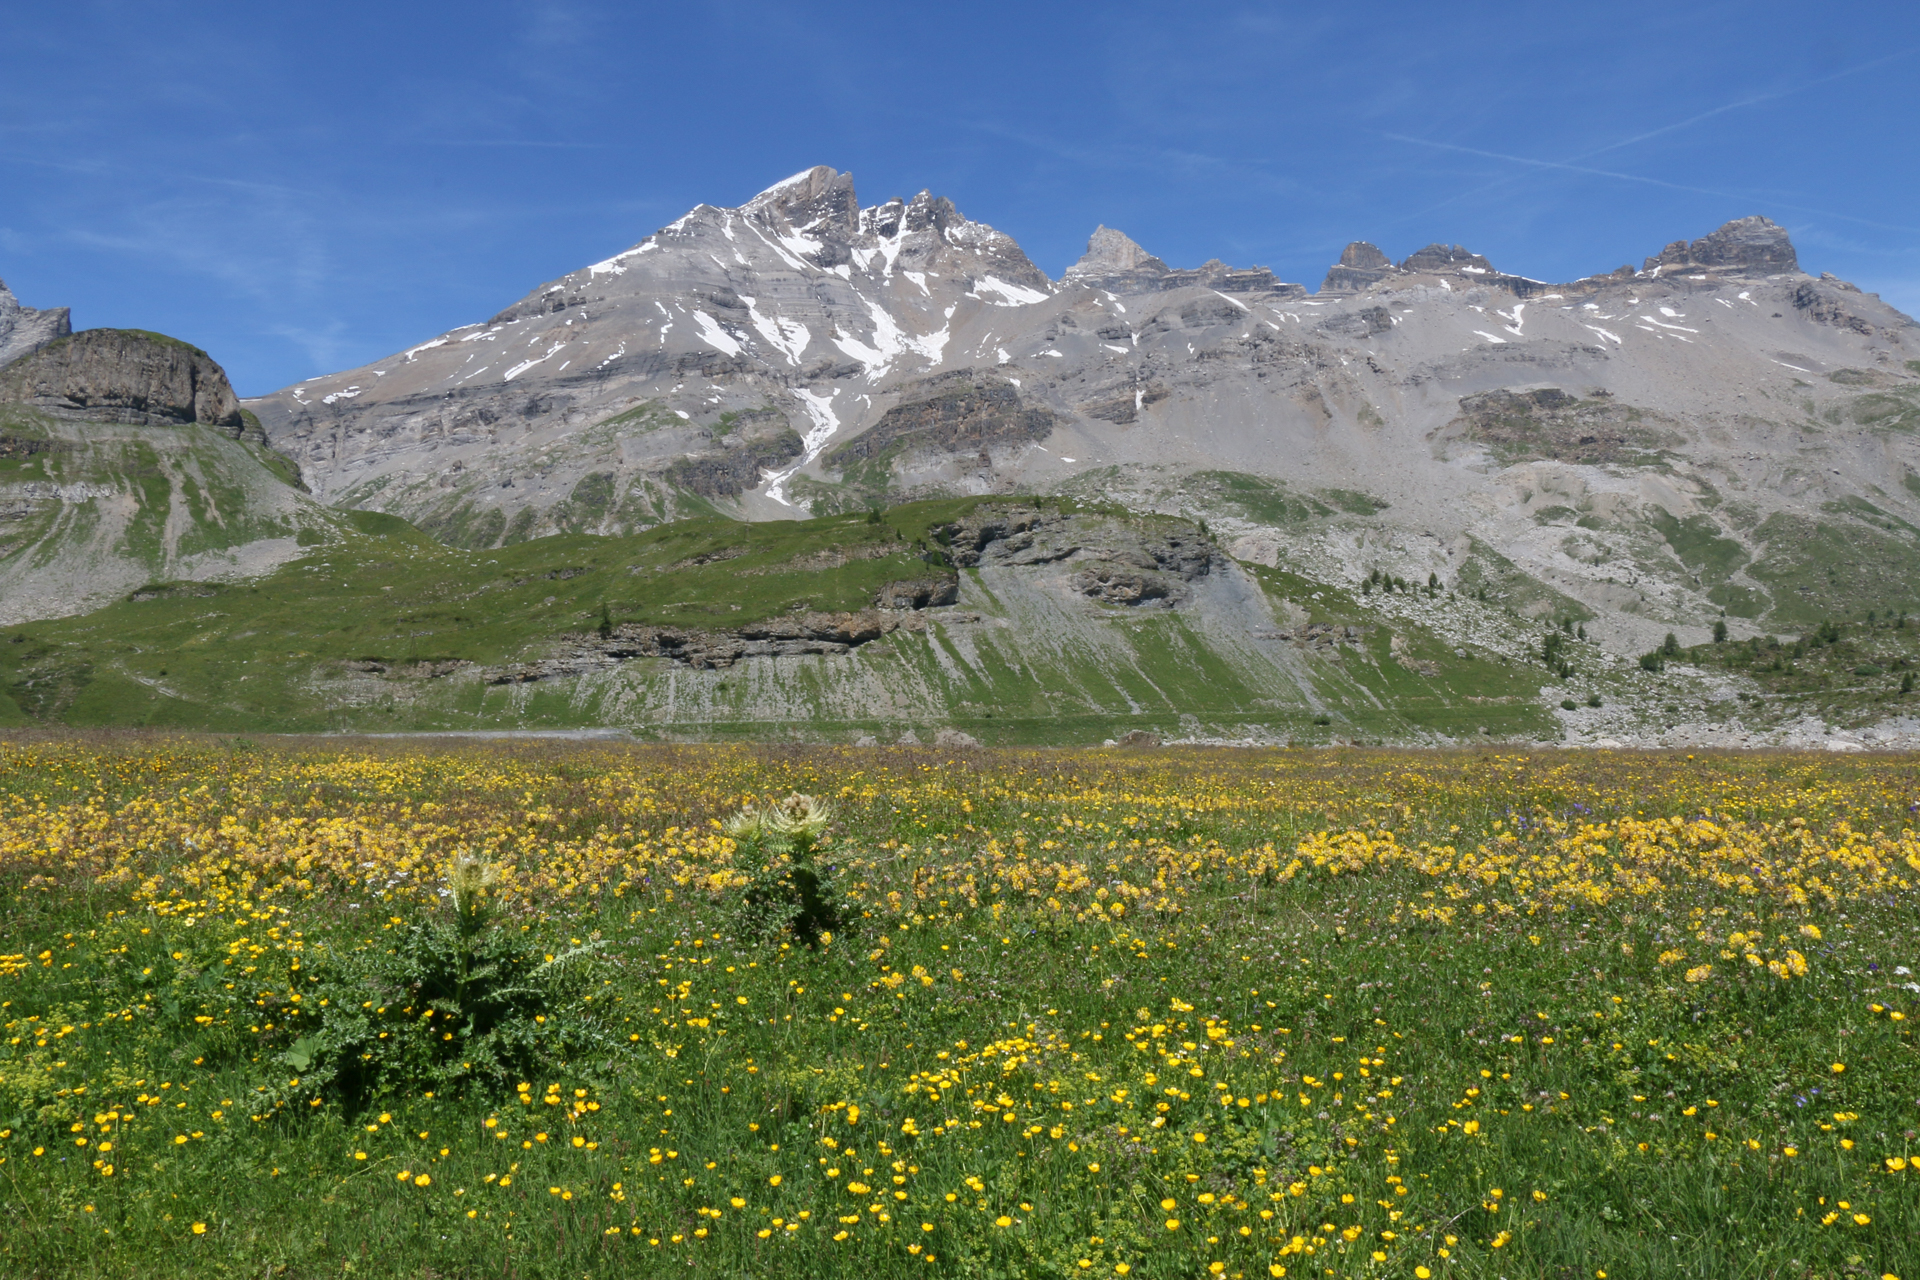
x=1720, y=631
x=1670, y=647
x=1581, y=631
x=1433, y=580
x=606, y=621
x=1906, y=683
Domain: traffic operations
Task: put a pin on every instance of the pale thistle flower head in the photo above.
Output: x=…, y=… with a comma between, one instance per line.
x=469, y=879
x=798, y=817
x=745, y=825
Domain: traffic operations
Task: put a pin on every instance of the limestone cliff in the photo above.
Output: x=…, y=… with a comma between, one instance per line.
x=125, y=376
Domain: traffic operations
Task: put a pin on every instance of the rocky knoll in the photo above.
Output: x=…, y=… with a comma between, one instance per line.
x=24, y=330
x=1115, y=562
x=125, y=376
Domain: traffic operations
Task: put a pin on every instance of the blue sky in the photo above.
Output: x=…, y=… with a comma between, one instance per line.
x=302, y=188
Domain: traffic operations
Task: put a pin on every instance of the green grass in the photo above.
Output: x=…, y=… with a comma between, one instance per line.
x=1838, y=567
x=1849, y=675
x=1281, y=1059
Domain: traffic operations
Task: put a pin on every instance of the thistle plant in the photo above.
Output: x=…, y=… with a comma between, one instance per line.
x=456, y=1003
x=788, y=891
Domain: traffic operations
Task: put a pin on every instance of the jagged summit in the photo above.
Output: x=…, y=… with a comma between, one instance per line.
x=819, y=199
x=24, y=330
x=1115, y=263
x=1745, y=246
x=1756, y=245
x=1110, y=253
x=1360, y=265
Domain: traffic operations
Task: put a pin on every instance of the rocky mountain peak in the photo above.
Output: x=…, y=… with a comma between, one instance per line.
x=124, y=375
x=1361, y=265
x=817, y=199
x=1111, y=252
x=1438, y=258
x=24, y=330
x=1754, y=245
x=1365, y=256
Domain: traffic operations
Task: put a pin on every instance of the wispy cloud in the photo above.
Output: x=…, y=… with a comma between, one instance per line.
x=1752, y=100
x=511, y=142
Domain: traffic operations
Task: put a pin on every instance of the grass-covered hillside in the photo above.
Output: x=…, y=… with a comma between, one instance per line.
x=91, y=511
x=384, y=628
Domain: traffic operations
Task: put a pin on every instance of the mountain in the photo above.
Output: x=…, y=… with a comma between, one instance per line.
x=804, y=467
x=1715, y=431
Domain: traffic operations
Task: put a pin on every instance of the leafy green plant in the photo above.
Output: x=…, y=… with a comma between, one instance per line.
x=788, y=891
x=457, y=1004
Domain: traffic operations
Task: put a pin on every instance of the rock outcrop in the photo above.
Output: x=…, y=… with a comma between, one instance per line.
x=1437, y=258
x=24, y=330
x=1752, y=246
x=126, y=376
x=1745, y=246
x=1823, y=302
x=1113, y=562
x=1111, y=254
x=1115, y=263
x=1361, y=265
x=714, y=649
x=957, y=412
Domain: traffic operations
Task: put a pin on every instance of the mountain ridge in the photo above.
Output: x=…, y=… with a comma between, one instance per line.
x=1403, y=479
x=732, y=360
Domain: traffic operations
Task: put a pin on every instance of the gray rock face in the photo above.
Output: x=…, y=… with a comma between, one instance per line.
x=1753, y=246
x=806, y=634
x=24, y=330
x=1446, y=257
x=124, y=376
x=1111, y=562
x=1361, y=265
x=956, y=412
x=1112, y=254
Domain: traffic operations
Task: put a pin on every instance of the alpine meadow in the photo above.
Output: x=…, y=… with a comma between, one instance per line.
x=369, y=1008
x=1286, y=646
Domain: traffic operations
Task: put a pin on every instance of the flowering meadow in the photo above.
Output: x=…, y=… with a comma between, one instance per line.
x=291, y=1008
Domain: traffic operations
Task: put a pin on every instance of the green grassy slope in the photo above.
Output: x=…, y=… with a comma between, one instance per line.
x=384, y=628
